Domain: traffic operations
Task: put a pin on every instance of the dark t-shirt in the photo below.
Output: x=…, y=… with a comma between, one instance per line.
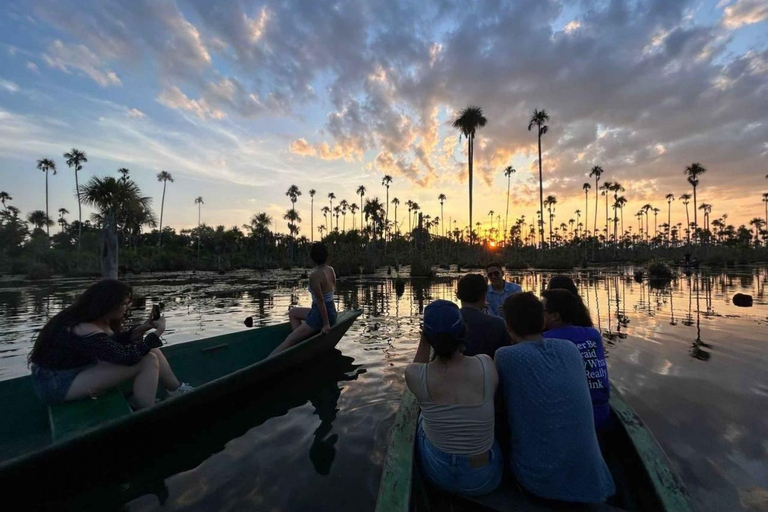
x=485, y=333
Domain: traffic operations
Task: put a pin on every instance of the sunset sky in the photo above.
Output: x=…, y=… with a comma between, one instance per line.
x=239, y=100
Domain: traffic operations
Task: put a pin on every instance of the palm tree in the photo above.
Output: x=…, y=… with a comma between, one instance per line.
x=374, y=211
x=62, y=221
x=165, y=177
x=45, y=165
x=76, y=159
x=343, y=205
x=686, y=199
x=491, y=213
x=586, y=188
x=646, y=208
x=508, y=172
x=615, y=187
x=124, y=174
x=606, y=190
x=396, y=202
x=199, y=203
x=320, y=230
x=40, y=219
x=596, y=171
x=469, y=121
x=312, y=193
x=5, y=197
x=293, y=194
x=670, y=198
x=337, y=214
x=326, y=211
x=707, y=209
x=361, y=193
x=693, y=172
x=621, y=202
x=578, y=220
x=353, y=209
x=415, y=209
x=549, y=202
x=409, y=204
x=757, y=222
x=538, y=119
x=655, y=221
x=386, y=181
x=331, y=197
x=765, y=200
x=442, y=199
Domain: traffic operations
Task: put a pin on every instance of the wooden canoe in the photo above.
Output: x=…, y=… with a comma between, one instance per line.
x=645, y=480
x=32, y=450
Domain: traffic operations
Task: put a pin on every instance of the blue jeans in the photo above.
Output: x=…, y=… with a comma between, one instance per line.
x=452, y=473
x=52, y=385
x=315, y=319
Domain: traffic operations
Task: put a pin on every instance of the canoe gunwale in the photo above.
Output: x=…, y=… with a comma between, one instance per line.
x=204, y=392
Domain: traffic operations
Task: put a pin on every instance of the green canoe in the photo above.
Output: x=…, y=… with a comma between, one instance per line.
x=644, y=478
x=71, y=444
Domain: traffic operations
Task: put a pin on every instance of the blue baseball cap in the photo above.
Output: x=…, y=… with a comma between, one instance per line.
x=443, y=316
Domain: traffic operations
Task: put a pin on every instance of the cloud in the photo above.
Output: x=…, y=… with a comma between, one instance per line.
x=70, y=57
x=302, y=147
x=32, y=67
x=8, y=86
x=745, y=12
x=135, y=113
x=173, y=97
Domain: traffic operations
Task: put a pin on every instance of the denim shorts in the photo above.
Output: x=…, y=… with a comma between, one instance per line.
x=52, y=385
x=453, y=473
x=315, y=319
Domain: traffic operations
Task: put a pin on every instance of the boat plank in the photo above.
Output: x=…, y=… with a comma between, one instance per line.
x=396, y=478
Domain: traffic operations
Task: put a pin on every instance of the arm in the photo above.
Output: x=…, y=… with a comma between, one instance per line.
x=100, y=346
x=317, y=290
x=422, y=353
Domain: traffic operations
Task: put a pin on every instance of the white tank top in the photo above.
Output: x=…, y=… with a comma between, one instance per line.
x=457, y=428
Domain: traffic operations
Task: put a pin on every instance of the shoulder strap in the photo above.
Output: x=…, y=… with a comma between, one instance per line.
x=486, y=378
x=423, y=390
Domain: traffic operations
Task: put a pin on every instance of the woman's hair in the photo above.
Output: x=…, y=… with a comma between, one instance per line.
x=99, y=300
x=444, y=344
x=569, y=306
x=562, y=283
x=319, y=253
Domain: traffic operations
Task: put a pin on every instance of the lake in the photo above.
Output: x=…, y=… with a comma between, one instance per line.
x=691, y=363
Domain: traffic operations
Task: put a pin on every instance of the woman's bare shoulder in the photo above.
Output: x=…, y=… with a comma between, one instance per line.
x=85, y=329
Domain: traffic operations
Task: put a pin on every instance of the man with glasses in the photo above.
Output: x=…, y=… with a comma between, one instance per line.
x=499, y=289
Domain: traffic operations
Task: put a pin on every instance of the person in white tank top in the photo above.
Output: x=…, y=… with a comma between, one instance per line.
x=456, y=447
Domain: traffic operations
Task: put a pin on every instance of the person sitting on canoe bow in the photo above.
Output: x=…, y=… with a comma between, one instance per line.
x=81, y=352
x=322, y=315
x=553, y=445
x=456, y=447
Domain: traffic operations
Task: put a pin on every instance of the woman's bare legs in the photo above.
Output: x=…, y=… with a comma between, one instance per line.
x=167, y=377
x=300, y=333
x=99, y=378
x=296, y=315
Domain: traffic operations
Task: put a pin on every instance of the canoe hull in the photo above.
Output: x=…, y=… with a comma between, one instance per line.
x=123, y=446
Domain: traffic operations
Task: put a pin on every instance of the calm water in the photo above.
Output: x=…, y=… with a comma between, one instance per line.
x=691, y=363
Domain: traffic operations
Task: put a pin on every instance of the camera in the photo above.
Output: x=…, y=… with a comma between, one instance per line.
x=156, y=312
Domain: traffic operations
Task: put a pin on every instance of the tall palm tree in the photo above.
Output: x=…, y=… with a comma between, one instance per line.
x=331, y=197
x=199, y=203
x=757, y=222
x=606, y=190
x=621, y=202
x=353, y=210
x=707, y=209
x=75, y=160
x=596, y=171
x=45, y=165
x=312, y=193
x=293, y=194
x=765, y=201
x=615, y=187
x=586, y=188
x=409, y=204
x=361, y=193
x=40, y=219
x=165, y=177
x=320, y=230
x=415, y=209
x=508, y=172
x=62, y=221
x=693, y=172
x=670, y=198
x=374, y=211
x=549, y=202
x=578, y=220
x=442, y=199
x=686, y=199
x=124, y=174
x=326, y=211
x=396, y=201
x=491, y=213
x=386, y=181
x=655, y=222
x=646, y=208
x=538, y=119
x=469, y=121
x=344, y=205
x=337, y=214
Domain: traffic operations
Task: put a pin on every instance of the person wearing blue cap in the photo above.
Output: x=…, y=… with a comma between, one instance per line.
x=456, y=446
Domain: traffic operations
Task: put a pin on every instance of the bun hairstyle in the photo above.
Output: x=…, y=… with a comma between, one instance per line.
x=444, y=345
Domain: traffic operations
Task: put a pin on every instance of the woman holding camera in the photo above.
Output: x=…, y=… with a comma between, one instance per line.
x=82, y=351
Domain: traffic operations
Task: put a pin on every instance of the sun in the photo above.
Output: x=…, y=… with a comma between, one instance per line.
x=492, y=243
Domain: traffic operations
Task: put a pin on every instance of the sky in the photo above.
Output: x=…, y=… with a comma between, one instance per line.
x=239, y=100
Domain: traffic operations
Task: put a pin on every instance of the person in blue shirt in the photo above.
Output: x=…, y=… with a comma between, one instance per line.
x=485, y=333
x=567, y=318
x=498, y=289
x=554, y=451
